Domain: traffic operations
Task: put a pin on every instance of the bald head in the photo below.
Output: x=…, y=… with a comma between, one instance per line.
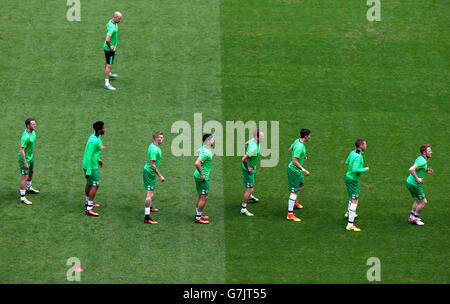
x=117, y=17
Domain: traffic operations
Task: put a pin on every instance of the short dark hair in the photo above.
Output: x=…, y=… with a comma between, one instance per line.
x=423, y=148
x=304, y=133
x=98, y=125
x=28, y=121
x=206, y=136
x=156, y=134
x=359, y=142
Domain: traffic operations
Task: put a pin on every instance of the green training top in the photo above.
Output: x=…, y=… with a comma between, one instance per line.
x=27, y=141
x=299, y=150
x=253, y=153
x=355, y=163
x=205, y=156
x=92, y=152
x=153, y=153
x=111, y=29
x=421, y=164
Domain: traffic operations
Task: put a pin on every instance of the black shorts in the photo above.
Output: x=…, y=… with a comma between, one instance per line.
x=109, y=55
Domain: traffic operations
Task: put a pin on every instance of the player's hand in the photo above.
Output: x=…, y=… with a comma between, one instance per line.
x=202, y=178
x=306, y=157
x=86, y=176
x=367, y=169
x=25, y=165
x=112, y=47
x=430, y=171
x=100, y=164
x=162, y=179
x=306, y=172
x=419, y=180
x=250, y=169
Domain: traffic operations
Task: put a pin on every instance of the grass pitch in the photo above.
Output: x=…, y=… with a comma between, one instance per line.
x=319, y=65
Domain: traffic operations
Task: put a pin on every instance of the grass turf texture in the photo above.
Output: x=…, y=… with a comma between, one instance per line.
x=304, y=64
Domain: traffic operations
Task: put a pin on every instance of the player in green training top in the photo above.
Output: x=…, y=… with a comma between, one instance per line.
x=249, y=162
x=201, y=177
x=26, y=160
x=150, y=172
x=414, y=183
x=110, y=47
x=355, y=163
x=296, y=171
x=91, y=163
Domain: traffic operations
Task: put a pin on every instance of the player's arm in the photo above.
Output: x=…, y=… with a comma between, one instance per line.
x=22, y=154
x=108, y=42
x=245, y=162
x=291, y=148
x=412, y=170
x=357, y=166
x=153, y=166
x=297, y=164
x=198, y=166
x=88, y=160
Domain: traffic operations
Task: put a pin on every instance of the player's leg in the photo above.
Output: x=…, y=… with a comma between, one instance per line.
x=111, y=74
x=90, y=201
x=202, y=188
x=23, y=182
x=413, y=215
x=23, y=189
x=245, y=199
x=109, y=56
x=201, y=202
x=297, y=204
x=417, y=193
x=147, y=210
x=29, y=181
x=92, y=184
x=252, y=197
x=420, y=204
x=87, y=189
x=294, y=180
x=352, y=215
x=149, y=185
x=353, y=190
x=249, y=181
x=291, y=203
